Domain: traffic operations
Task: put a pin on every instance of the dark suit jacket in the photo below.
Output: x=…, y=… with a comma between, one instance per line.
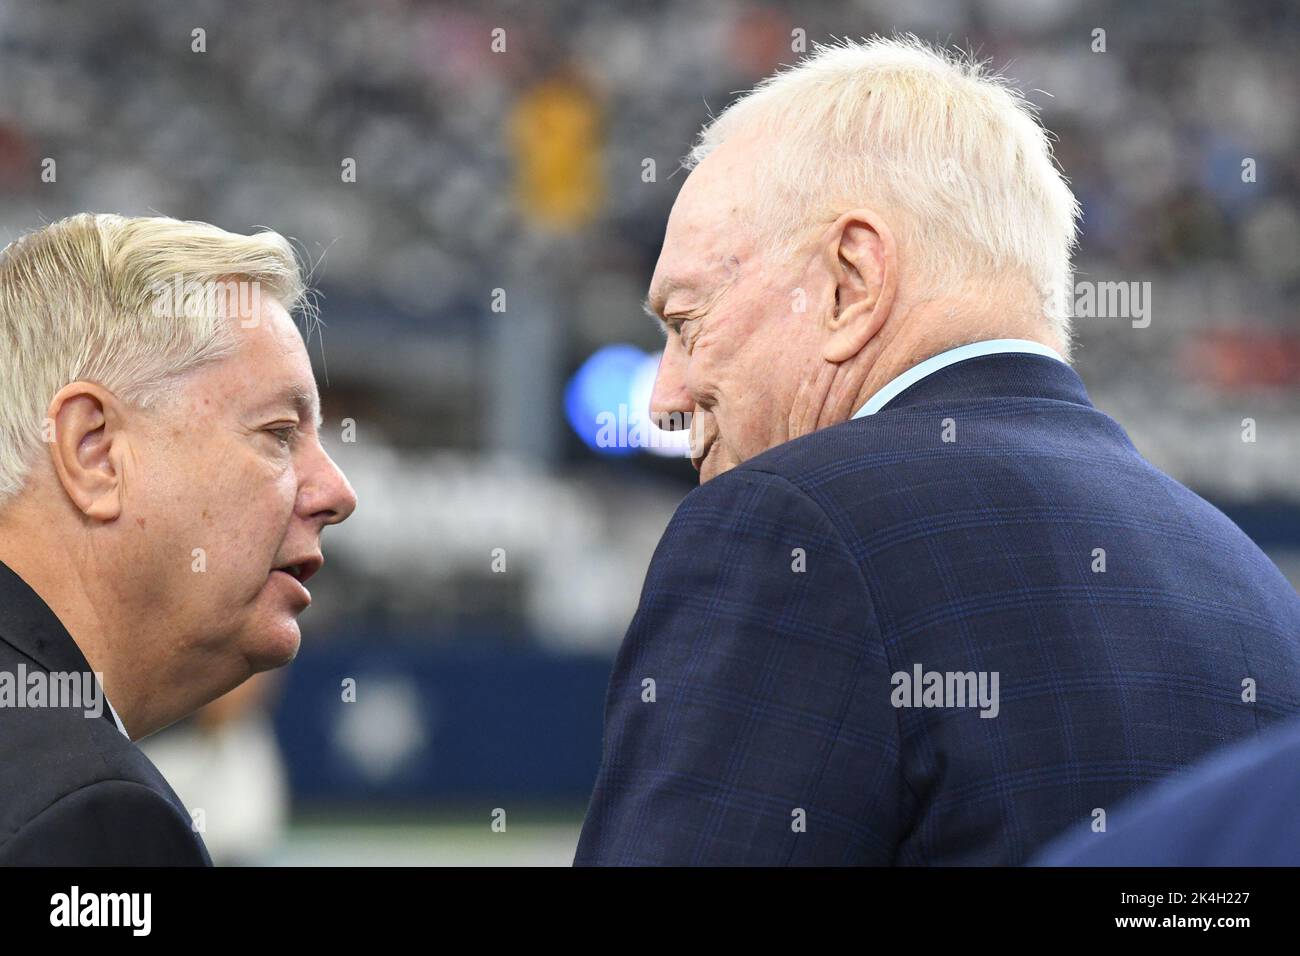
x=1240, y=807
x=74, y=791
x=773, y=737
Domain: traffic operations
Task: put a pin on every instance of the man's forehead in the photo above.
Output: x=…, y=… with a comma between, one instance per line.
x=272, y=359
x=704, y=238
x=716, y=271
x=715, y=191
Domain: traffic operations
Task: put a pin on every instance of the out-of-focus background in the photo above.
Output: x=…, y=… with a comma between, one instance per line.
x=481, y=192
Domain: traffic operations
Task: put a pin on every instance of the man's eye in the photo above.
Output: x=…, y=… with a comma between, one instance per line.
x=677, y=326
x=687, y=331
x=285, y=435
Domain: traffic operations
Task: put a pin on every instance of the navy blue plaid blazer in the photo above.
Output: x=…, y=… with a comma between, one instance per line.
x=988, y=519
x=1239, y=807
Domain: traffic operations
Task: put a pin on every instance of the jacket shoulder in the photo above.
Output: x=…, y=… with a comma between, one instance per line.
x=107, y=823
x=64, y=758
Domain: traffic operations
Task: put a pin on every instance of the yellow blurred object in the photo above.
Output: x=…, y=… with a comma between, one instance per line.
x=555, y=132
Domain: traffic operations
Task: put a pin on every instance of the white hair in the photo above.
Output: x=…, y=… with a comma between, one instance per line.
x=954, y=152
x=79, y=301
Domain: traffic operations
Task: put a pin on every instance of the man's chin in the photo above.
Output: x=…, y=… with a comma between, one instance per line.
x=712, y=466
x=274, y=647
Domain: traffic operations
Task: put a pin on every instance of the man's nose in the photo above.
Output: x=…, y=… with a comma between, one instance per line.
x=327, y=495
x=670, y=402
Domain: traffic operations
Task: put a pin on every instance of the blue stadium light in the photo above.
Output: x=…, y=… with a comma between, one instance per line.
x=597, y=399
x=607, y=403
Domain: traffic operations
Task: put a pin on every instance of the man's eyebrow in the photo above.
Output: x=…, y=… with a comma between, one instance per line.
x=653, y=312
x=658, y=297
x=304, y=402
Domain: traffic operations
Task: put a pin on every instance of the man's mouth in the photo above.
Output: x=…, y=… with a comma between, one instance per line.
x=702, y=438
x=304, y=568
x=697, y=461
x=299, y=572
x=294, y=583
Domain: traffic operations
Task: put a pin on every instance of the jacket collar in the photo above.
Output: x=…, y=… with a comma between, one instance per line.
x=969, y=373
x=28, y=624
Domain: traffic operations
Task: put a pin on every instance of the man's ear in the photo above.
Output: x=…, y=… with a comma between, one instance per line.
x=87, y=450
x=860, y=253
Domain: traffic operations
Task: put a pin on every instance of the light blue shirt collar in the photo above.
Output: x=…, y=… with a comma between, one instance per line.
x=117, y=720
x=951, y=357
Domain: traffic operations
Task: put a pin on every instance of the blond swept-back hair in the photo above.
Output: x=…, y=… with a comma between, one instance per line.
x=79, y=301
x=932, y=135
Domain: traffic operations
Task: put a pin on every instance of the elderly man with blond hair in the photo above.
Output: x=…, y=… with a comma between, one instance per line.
x=928, y=605
x=163, y=490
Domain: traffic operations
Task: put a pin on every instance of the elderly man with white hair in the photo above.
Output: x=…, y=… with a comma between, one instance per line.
x=163, y=490
x=928, y=605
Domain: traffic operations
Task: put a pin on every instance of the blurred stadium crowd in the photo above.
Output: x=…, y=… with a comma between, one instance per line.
x=514, y=168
